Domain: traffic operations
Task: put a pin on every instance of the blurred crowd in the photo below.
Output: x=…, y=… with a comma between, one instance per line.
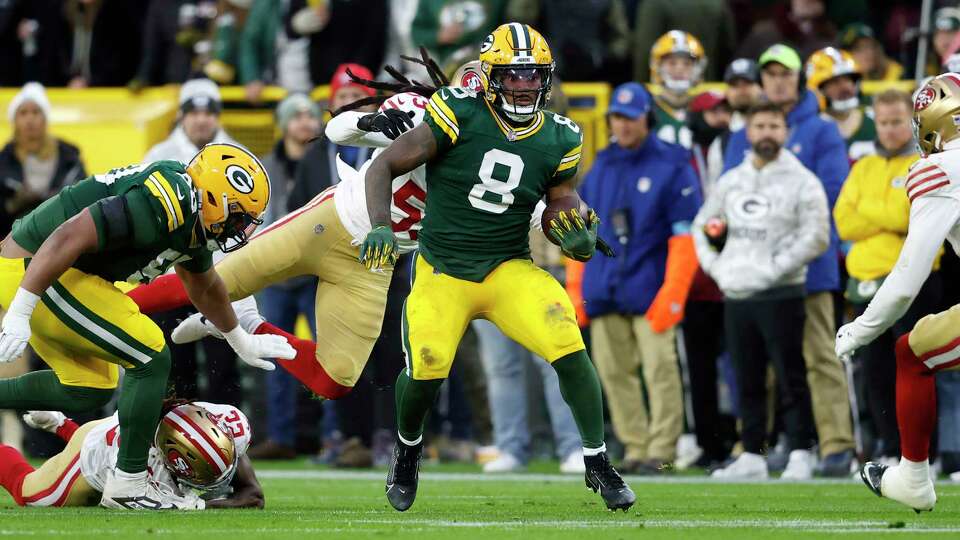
x=749, y=223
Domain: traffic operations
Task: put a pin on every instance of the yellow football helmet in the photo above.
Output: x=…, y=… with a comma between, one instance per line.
x=936, y=113
x=196, y=449
x=677, y=42
x=233, y=189
x=518, y=51
x=829, y=63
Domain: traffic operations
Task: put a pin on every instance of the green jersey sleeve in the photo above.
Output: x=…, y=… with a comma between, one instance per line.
x=571, y=138
x=445, y=110
x=200, y=261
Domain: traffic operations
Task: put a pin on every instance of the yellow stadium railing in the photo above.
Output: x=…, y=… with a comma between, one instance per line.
x=114, y=127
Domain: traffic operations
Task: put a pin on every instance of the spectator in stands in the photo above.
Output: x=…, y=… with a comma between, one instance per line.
x=590, y=40
x=871, y=60
x=224, y=56
x=173, y=30
x=743, y=91
x=505, y=363
x=817, y=143
x=708, y=119
x=710, y=20
x=946, y=24
x=299, y=121
x=804, y=24
x=777, y=221
x=106, y=41
x=341, y=31
x=34, y=42
x=453, y=29
x=834, y=76
x=34, y=165
x=198, y=125
x=872, y=212
x=646, y=194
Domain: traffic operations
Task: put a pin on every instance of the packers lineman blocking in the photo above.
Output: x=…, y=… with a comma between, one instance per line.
x=490, y=157
x=57, y=269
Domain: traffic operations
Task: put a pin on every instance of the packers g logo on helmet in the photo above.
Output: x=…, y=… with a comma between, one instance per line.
x=680, y=43
x=936, y=113
x=234, y=191
x=518, y=51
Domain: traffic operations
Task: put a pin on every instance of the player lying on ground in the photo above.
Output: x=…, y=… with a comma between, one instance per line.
x=490, y=157
x=198, y=459
x=933, y=186
x=57, y=270
x=321, y=239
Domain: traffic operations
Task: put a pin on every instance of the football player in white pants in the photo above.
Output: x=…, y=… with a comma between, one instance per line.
x=198, y=460
x=933, y=186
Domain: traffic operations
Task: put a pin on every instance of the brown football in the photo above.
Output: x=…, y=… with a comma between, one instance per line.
x=556, y=206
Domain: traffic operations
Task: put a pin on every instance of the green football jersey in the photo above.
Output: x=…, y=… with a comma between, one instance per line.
x=486, y=180
x=671, y=124
x=162, y=215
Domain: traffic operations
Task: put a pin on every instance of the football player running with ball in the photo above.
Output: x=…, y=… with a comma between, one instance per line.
x=933, y=186
x=57, y=270
x=490, y=156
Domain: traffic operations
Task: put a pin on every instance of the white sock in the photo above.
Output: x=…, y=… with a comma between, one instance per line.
x=410, y=443
x=917, y=472
x=130, y=476
x=587, y=452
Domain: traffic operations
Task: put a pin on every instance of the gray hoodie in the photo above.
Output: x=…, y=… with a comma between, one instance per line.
x=777, y=221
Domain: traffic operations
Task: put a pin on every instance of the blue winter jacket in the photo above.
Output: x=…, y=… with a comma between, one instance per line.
x=819, y=146
x=655, y=190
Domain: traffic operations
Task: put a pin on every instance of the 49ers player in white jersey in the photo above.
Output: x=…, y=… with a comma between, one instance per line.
x=322, y=238
x=198, y=460
x=933, y=186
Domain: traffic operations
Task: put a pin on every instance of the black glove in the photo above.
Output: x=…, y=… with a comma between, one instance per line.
x=390, y=122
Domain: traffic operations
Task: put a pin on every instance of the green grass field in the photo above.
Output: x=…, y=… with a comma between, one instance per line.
x=455, y=502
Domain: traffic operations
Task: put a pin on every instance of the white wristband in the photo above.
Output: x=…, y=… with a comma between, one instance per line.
x=235, y=336
x=23, y=304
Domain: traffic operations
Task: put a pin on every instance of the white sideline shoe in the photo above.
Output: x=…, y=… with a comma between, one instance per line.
x=746, y=467
x=573, y=463
x=800, y=465
x=505, y=463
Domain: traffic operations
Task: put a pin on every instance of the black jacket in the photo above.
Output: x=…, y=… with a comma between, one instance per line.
x=69, y=170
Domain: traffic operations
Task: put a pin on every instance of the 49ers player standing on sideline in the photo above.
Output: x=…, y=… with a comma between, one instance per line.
x=321, y=239
x=933, y=186
x=198, y=459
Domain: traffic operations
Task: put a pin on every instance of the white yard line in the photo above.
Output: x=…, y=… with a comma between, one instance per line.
x=314, y=474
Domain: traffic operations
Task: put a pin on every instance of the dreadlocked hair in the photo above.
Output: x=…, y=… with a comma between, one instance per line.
x=400, y=83
x=172, y=403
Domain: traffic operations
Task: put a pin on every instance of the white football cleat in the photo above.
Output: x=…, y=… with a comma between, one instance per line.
x=912, y=488
x=505, y=463
x=45, y=420
x=141, y=494
x=746, y=467
x=194, y=328
x=800, y=465
x=573, y=463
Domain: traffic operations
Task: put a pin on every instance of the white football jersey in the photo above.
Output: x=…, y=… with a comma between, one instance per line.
x=98, y=456
x=933, y=186
x=409, y=202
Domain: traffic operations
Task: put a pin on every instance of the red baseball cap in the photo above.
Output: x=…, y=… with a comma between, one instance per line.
x=706, y=101
x=341, y=78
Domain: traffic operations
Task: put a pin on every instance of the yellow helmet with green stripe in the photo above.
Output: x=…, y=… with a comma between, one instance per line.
x=234, y=191
x=516, y=53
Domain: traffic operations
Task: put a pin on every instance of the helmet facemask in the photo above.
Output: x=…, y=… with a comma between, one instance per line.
x=521, y=105
x=233, y=232
x=681, y=87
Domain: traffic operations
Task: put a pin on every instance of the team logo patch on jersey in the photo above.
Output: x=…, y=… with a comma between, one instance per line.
x=924, y=98
x=239, y=178
x=471, y=81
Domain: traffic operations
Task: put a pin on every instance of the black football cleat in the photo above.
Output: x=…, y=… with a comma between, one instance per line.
x=403, y=475
x=603, y=478
x=871, y=473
